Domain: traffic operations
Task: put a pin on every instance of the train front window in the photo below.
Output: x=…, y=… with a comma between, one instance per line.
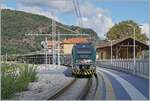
x=84, y=53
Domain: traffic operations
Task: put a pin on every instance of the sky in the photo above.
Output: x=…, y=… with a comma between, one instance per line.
x=100, y=15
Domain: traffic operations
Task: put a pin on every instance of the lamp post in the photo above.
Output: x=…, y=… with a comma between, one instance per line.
x=134, y=44
x=111, y=49
x=58, y=49
x=46, y=50
x=111, y=52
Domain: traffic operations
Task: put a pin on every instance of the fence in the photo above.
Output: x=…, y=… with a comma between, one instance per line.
x=141, y=67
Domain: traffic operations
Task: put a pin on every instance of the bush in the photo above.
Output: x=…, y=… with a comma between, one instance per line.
x=7, y=86
x=12, y=83
x=27, y=74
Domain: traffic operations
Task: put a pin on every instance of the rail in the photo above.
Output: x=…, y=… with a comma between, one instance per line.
x=81, y=96
x=141, y=66
x=61, y=91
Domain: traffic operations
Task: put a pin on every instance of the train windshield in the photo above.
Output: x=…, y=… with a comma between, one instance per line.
x=84, y=50
x=84, y=53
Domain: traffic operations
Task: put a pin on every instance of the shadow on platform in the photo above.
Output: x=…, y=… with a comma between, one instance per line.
x=68, y=72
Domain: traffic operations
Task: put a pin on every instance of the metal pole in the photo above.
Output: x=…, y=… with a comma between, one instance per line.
x=6, y=57
x=54, y=41
x=134, y=49
x=111, y=51
x=58, y=50
x=46, y=50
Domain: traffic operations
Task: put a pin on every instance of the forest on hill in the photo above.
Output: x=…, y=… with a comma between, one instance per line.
x=15, y=24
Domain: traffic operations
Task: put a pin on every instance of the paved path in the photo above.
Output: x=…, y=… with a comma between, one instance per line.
x=124, y=86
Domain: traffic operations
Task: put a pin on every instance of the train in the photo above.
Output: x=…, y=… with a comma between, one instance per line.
x=83, y=59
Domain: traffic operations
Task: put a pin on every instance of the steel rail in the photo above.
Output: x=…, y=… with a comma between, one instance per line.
x=61, y=91
x=96, y=93
x=85, y=90
x=99, y=94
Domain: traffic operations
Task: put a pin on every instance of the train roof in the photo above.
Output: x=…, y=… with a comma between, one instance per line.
x=83, y=45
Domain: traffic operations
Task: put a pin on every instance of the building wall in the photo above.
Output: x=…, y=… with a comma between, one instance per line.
x=103, y=53
x=67, y=48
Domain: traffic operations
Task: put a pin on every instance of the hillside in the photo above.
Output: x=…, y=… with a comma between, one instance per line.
x=15, y=24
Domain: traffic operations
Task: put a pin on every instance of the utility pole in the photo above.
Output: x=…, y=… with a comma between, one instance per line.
x=111, y=49
x=46, y=50
x=133, y=46
x=54, y=41
x=134, y=49
x=58, y=49
x=6, y=57
x=111, y=52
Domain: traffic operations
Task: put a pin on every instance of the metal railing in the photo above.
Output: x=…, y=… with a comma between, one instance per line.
x=127, y=65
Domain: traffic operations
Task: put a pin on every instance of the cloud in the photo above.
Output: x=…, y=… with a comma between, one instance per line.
x=48, y=8
x=88, y=9
x=3, y=6
x=37, y=10
x=96, y=19
x=145, y=29
x=61, y=6
x=34, y=9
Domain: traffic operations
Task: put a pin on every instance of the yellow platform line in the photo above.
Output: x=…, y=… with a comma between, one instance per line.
x=110, y=94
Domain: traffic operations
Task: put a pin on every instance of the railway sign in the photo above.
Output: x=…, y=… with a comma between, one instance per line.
x=44, y=44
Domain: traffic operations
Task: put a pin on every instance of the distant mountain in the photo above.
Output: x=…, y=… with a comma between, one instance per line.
x=15, y=24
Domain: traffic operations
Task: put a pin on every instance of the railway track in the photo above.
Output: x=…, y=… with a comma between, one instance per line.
x=88, y=88
x=61, y=91
x=95, y=89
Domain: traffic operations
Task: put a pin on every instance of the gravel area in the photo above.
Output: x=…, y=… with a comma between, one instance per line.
x=50, y=79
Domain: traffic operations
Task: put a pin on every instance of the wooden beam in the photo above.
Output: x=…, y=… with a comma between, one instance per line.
x=127, y=45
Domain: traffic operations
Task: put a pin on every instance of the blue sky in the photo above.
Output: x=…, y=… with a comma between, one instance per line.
x=136, y=10
x=121, y=10
x=101, y=13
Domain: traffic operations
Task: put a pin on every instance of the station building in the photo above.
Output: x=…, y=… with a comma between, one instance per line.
x=121, y=49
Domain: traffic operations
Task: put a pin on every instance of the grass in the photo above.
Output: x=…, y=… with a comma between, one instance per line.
x=15, y=78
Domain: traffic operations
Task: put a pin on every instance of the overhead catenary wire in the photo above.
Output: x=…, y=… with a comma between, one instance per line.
x=75, y=8
x=79, y=15
x=77, y=11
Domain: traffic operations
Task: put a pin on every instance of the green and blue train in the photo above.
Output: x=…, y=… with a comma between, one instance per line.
x=83, y=59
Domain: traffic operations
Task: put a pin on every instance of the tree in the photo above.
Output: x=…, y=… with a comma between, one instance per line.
x=123, y=29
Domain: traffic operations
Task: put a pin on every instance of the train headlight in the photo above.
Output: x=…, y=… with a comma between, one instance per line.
x=87, y=61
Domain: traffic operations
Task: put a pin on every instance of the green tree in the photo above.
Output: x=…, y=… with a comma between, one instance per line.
x=124, y=29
